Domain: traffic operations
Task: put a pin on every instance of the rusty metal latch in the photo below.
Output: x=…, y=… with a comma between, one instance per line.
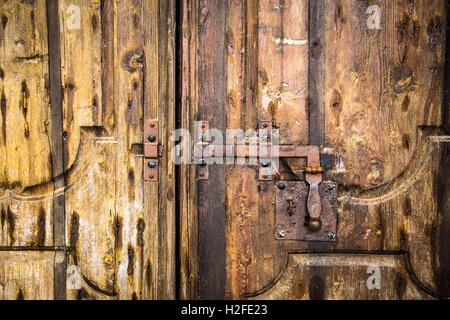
x=293, y=217
x=318, y=212
x=152, y=150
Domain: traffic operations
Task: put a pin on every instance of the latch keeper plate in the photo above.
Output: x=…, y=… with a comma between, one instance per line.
x=152, y=151
x=291, y=216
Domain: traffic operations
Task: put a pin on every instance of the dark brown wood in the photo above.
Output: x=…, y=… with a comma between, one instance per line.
x=316, y=89
x=443, y=196
x=211, y=230
x=57, y=137
x=446, y=98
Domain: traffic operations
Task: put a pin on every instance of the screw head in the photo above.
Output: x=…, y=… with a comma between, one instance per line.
x=281, y=186
x=151, y=138
x=266, y=164
x=266, y=138
x=281, y=234
x=331, y=187
x=331, y=235
x=151, y=164
x=202, y=163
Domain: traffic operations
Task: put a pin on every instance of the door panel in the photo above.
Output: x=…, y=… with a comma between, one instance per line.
x=26, y=275
x=361, y=81
x=381, y=84
x=343, y=276
x=73, y=194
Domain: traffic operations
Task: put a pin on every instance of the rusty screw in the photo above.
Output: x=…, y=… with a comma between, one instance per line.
x=331, y=235
x=281, y=234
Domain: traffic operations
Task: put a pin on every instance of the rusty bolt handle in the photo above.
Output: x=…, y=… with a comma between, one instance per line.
x=314, y=204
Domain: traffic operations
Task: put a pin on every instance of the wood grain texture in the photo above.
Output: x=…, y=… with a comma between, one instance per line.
x=382, y=85
x=371, y=92
x=26, y=275
x=81, y=195
x=187, y=187
x=25, y=108
x=342, y=277
x=211, y=226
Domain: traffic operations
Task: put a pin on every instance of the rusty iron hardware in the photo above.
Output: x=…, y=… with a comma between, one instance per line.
x=202, y=167
x=319, y=217
x=265, y=151
x=292, y=218
x=152, y=150
x=291, y=206
x=313, y=173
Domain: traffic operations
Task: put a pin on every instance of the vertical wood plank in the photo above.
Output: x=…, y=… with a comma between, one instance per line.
x=211, y=231
x=443, y=269
x=316, y=102
x=188, y=216
x=446, y=98
x=57, y=146
x=81, y=69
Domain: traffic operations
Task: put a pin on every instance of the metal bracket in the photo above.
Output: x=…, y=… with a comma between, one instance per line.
x=152, y=150
x=292, y=220
x=199, y=150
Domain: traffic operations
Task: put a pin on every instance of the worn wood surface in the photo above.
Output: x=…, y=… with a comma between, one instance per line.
x=363, y=78
x=77, y=83
x=212, y=93
x=79, y=78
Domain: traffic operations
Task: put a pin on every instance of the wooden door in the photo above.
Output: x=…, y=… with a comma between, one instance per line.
x=81, y=218
x=363, y=82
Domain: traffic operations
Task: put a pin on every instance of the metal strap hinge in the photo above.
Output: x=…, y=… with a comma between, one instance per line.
x=152, y=150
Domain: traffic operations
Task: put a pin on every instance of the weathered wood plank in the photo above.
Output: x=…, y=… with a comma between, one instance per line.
x=25, y=112
x=343, y=277
x=81, y=64
x=283, y=68
x=443, y=249
x=26, y=275
x=159, y=48
x=58, y=143
x=316, y=102
x=211, y=229
x=187, y=187
x=383, y=70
